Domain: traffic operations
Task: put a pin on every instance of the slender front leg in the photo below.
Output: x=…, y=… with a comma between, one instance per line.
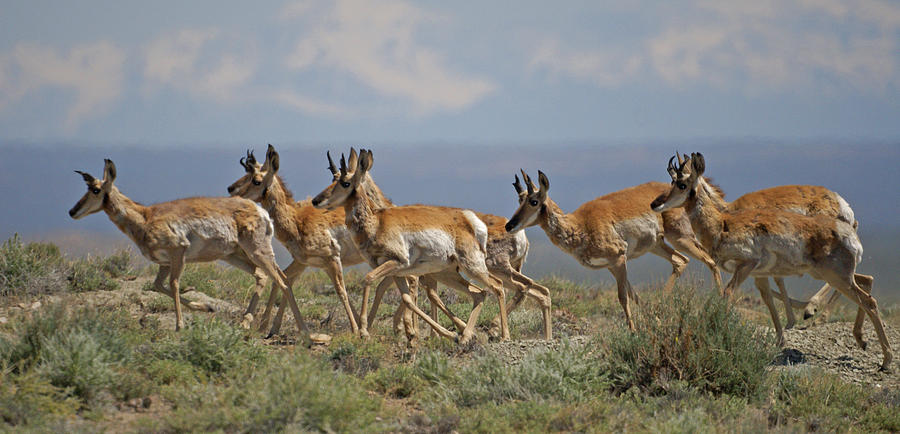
x=789, y=311
x=379, y=293
x=679, y=262
x=411, y=305
x=292, y=272
x=378, y=273
x=176, y=264
x=336, y=273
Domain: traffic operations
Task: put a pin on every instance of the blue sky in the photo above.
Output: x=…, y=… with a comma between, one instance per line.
x=213, y=72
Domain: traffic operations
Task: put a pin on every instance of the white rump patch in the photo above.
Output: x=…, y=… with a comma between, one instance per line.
x=481, y=232
x=846, y=213
x=264, y=215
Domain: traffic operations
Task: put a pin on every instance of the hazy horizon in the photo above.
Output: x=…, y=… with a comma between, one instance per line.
x=465, y=176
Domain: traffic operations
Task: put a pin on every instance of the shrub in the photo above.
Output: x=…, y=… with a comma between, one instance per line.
x=82, y=352
x=118, y=264
x=570, y=374
x=28, y=397
x=699, y=340
x=397, y=381
x=212, y=346
x=77, y=361
x=286, y=392
x=31, y=268
x=87, y=274
x=356, y=357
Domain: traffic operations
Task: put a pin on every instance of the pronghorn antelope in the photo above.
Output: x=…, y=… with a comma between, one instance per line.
x=505, y=258
x=771, y=242
x=802, y=199
x=314, y=237
x=170, y=234
x=413, y=241
x=609, y=230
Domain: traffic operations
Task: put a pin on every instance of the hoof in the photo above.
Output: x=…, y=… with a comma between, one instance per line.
x=364, y=334
x=863, y=344
x=465, y=339
x=248, y=319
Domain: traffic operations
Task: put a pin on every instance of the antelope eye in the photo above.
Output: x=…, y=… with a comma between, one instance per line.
x=533, y=202
x=345, y=184
x=257, y=182
x=95, y=191
x=682, y=186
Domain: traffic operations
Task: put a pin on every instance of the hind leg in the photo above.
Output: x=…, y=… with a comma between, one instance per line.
x=620, y=273
x=848, y=286
x=762, y=284
x=457, y=282
x=865, y=283
x=430, y=284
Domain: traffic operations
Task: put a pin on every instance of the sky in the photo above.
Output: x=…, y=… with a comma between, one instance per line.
x=206, y=73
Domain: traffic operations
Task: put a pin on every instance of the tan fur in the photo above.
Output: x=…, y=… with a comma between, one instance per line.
x=410, y=241
x=190, y=230
x=609, y=230
x=808, y=200
x=314, y=237
x=771, y=242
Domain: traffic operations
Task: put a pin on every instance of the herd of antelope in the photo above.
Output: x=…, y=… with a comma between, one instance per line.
x=777, y=232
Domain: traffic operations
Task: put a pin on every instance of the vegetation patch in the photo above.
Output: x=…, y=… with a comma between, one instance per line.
x=683, y=337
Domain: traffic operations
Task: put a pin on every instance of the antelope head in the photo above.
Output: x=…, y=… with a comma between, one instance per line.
x=258, y=177
x=685, y=176
x=531, y=202
x=345, y=179
x=98, y=190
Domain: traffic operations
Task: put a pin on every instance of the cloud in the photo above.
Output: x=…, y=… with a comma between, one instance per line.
x=185, y=61
x=765, y=45
x=375, y=44
x=94, y=72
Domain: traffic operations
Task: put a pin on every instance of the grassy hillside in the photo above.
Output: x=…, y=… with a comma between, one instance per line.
x=85, y=346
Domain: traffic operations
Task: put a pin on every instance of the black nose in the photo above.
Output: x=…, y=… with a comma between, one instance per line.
x=316, y=201
x=509, y=225
x=655, y=204
x=230, y=188
x=807, y=315
x=72, y=212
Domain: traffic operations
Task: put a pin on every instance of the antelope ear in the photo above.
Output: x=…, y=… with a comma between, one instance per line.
x=274, y=161
x=365, y=162
x=698, y=163
x=544, y=182
x=109, y=171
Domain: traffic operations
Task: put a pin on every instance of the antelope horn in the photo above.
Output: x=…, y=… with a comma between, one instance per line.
x=680, y=162
x=343, y=167
x=671, y=167
x=528, y=184
x=517, y=185
x=331, y=166
x=251, y=159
